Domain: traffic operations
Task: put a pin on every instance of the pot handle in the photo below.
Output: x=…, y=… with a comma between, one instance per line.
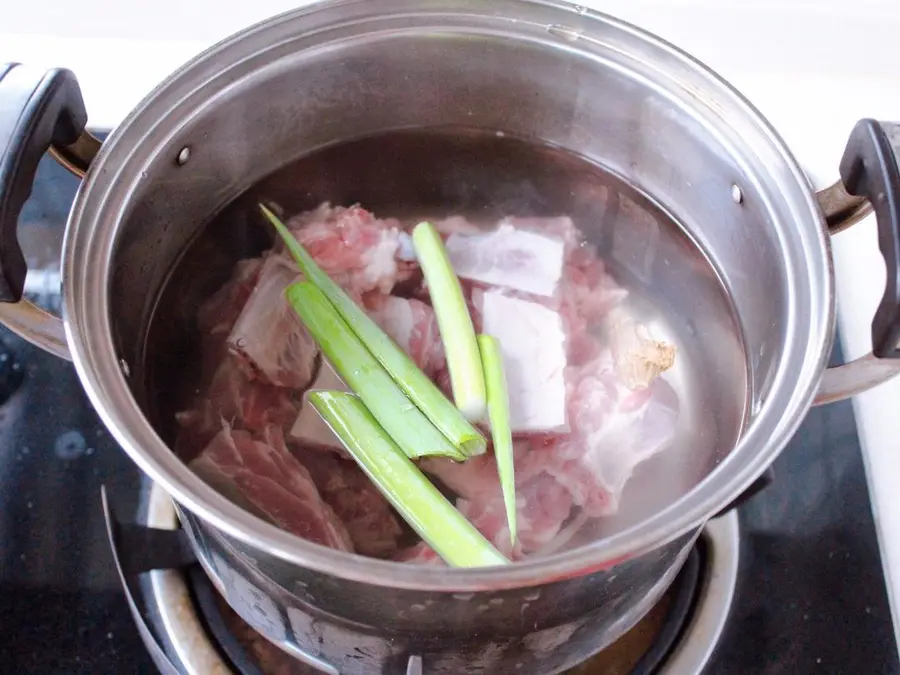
x=38, y=110
x=870, y=169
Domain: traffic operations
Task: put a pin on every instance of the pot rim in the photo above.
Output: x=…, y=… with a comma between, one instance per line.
x=88, y=330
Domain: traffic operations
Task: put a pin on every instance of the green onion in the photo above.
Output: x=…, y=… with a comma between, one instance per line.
x=406, y=424
x=420, y=504
x=454, y=322
x=414, y=383
x=501, y=433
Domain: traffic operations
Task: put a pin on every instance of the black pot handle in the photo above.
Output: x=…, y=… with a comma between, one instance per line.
x=37, y=109
x=870, y=169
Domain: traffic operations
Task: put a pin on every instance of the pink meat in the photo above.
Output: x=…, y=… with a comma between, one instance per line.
x=413, y=326
x=359, y=251
x=420, y=554
x=614, y=429
x=618, y=412
x=217, y=316
x=368, y=517
x=234, y=398
x=273, y=482
x=268, y=336
x=542, y=504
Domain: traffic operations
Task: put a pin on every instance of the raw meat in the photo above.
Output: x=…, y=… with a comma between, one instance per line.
x=309, y=429
x=587, y=402
x=420, y=554
x=355, y=248
x=413, y=326
x=233, y=397
x=534, y=357
x=268, y=478
x=217, y=316
x=509, y=257
x=614, y=428
x=370, y=520
x=542, y=504
x=268, y=336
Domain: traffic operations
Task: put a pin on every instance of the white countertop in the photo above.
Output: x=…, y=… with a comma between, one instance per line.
x=813, y=67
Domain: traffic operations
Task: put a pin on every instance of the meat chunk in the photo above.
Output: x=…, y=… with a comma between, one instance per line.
x=534, y=354
x=309, y=429
x=217, y=316
x=234, y=398
x=586, y=401
x=420, y=554
x=542, y=504
x=368, y=517
x=269, y=480
x=614, y=429
x=509, y=257
x=268, y=336
x=358, y=250
x=413, y=326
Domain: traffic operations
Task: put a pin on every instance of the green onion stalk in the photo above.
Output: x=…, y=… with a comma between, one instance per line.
x=501, y=432
x=454, y=322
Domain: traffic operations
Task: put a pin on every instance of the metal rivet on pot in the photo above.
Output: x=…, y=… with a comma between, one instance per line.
x=183, y=156
x=123, y=364
x=737, y=195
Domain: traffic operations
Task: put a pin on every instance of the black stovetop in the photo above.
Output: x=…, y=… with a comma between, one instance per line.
x=811, y=596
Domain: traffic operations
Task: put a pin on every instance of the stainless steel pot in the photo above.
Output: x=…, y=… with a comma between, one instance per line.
x=538, y=69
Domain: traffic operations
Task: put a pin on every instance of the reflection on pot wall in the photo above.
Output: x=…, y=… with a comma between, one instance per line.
x=348, y=626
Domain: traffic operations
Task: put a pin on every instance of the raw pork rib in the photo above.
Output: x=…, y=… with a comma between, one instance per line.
x=359, y=251
x=413, y=326
x=420, y=554
x=267, y=477
x=269, y=336
x=587, y=403
x=601, y=399
x=217, y=316
x=542, y=504
x=260, y=358
x=373, y=527
x=233, y=397
x=614, y=429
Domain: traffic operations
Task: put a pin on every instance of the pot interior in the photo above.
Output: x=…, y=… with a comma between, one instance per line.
x=688, y=197
x=416, y=175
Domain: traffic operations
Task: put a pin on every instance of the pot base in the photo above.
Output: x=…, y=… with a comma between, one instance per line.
x=201, y=633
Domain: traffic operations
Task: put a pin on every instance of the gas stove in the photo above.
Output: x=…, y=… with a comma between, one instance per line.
x=788, y=582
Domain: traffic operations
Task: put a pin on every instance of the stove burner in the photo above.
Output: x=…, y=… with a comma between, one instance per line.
x=201, y=634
